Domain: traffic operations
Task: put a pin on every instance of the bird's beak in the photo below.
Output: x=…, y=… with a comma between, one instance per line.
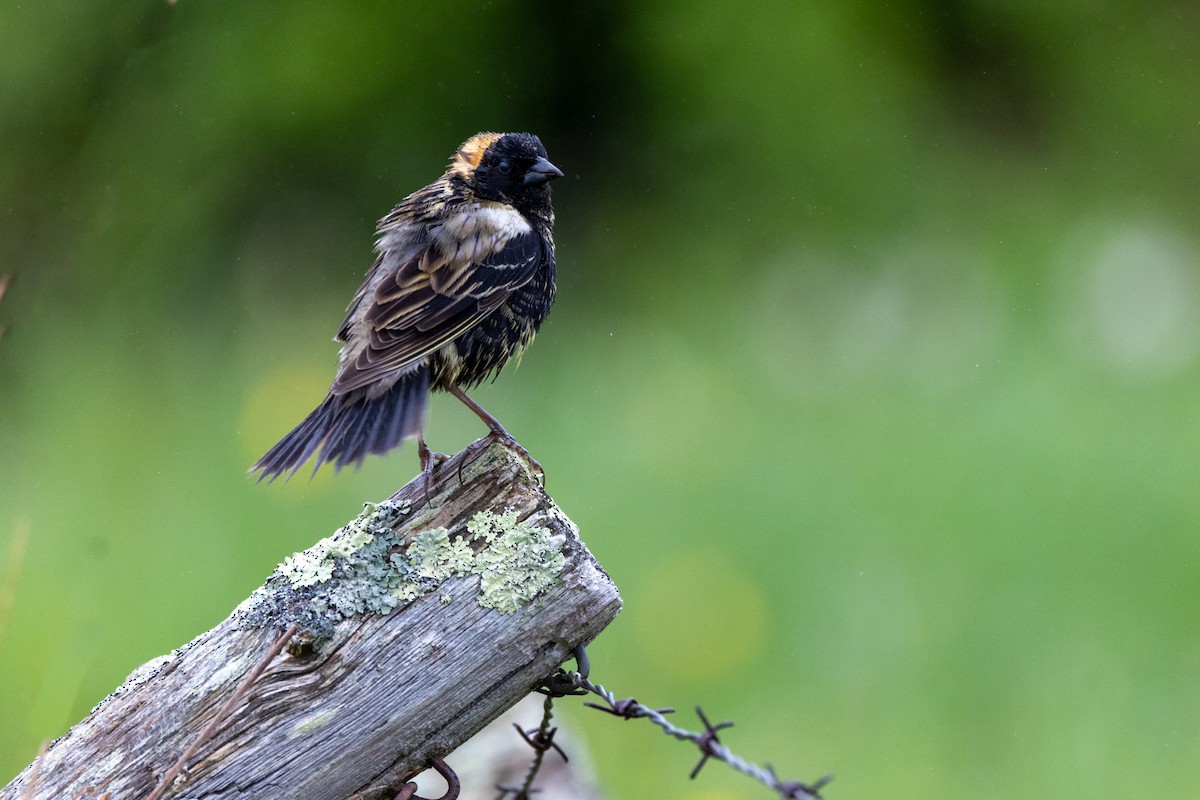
x=541, y=171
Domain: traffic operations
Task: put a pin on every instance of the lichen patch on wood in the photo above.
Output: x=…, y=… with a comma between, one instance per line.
x=373, y=564
x=518, y=562
x=312, y=723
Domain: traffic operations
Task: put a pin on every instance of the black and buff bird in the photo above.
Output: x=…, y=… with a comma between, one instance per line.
x=463, y=278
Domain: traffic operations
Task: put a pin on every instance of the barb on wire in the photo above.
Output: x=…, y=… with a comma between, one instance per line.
x=541, y=739
x=564, y=683
x=708, y=741
x=628, y=708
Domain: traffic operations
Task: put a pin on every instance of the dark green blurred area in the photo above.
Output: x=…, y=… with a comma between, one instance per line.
x=873, y=379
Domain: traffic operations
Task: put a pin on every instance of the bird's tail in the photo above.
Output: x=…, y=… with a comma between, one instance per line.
x=345, y=428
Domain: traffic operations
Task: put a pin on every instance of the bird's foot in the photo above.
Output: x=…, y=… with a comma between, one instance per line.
x=498, y=434
x=430, y=461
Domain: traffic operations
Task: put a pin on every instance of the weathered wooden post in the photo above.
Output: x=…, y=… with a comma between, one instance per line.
x=419, y=622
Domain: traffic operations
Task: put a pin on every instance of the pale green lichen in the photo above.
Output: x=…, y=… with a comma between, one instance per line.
x=312, y=723
x=228, y=673
x=315, y=565
x=365, y=567
x=519, y=562
x=435, y=556
x=344, y=574
x=486, y=525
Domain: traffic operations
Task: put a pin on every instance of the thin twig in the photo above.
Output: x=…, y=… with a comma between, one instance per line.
x=276, y=648
x=12, y=568
x=4, y=281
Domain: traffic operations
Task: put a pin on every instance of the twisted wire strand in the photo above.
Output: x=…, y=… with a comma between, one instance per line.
x=564, y=683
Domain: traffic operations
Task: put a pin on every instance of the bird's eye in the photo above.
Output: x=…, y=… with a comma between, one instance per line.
x=504, y=168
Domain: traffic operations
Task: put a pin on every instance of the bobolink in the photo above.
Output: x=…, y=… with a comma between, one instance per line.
x=463, y=278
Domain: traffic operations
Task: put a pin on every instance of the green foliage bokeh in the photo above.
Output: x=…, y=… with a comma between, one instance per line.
x=874, y=379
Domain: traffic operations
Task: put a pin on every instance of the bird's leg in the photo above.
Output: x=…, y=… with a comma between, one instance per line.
x=497, y=430
x=429, y=462
x=492, y=423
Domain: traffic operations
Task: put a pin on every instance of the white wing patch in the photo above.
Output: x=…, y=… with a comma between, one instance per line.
x=472, y=235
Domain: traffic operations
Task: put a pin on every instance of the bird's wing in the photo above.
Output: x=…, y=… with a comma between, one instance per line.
x=430, y=300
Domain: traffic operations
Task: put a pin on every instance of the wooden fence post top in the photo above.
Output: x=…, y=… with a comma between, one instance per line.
x=420, y=621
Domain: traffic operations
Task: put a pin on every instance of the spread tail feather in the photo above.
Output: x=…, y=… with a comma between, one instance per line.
x=346, y=428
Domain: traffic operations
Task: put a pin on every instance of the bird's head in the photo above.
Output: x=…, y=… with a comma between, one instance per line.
x=508, y=168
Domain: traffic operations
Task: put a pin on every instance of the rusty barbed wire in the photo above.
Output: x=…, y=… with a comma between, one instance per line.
x=541, y=739
x=564, y=683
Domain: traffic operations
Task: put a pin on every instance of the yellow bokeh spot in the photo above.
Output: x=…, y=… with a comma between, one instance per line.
x=702, y=616
x=277, y=404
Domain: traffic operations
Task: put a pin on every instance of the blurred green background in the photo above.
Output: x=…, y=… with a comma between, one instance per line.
x=874, y=378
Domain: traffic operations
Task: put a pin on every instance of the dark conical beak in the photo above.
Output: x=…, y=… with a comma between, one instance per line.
x=541, y=171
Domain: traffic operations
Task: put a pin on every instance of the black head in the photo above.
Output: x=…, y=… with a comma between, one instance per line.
x=508, y=168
